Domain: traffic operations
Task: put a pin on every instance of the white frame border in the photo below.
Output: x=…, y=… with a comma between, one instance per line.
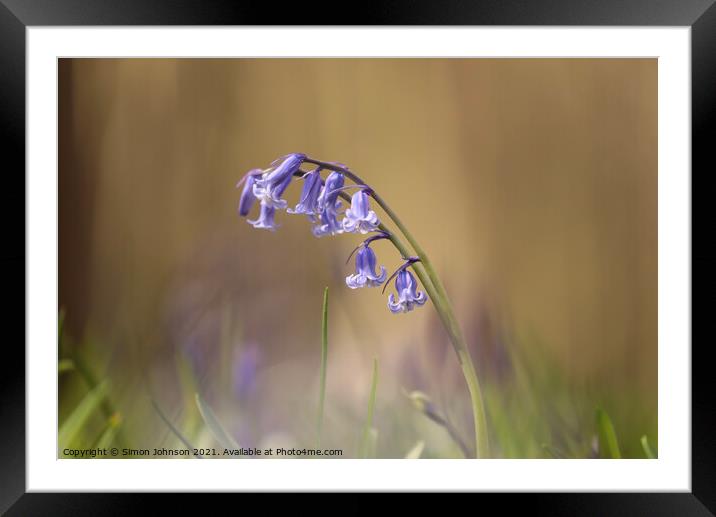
x=672, y=471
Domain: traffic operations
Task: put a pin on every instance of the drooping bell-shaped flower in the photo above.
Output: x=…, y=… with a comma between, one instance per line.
x=359, y=217
x=266, y=218
x=408, y=295
x=273, y=183
x=270, y=194
x=289, y=164
x=327, y=223
x=366, y=275
x=247, y=199
x=328, y=206
x=329, y=194
x=308, y=204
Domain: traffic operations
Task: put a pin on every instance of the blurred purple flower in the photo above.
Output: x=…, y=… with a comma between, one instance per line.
x=408, y=296
x=489, y=343
x=411, y=371
x=195, y=353
x=359, y=217
x=266, y=218
x=365, y=275
x=244, y=370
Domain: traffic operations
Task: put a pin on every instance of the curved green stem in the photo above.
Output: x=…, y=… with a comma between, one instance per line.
x=436, y=291
x=324, y=360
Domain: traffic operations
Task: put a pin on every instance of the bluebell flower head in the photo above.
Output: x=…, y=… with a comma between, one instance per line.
x=289, y=164
x=247, y=199
x=270, y=193
x=308, y=204
x=266, y=218
x=328, y=206
x=365, y=275
x=327, y=223
x=274, y=182
x=329, y=194
x=408, y=295
x=359, y=217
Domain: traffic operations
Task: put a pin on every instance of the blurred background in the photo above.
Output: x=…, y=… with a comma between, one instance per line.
x=531, y=183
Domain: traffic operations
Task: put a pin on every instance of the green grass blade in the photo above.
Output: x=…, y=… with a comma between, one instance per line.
x=109, y=433
x=91, y=381
x=416, y=451
x=173, y=429
x=552, y=452
x=65, y=365
x=608, y=444
x=372, y=443
x=324, y=359
x=217, y=430
x=226, y=345
x=368, y=427
x=73, y=424
x=647, y=448
x=424, y=405
x=191, y=421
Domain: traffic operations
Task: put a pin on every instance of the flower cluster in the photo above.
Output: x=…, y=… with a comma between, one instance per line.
x=320, y=203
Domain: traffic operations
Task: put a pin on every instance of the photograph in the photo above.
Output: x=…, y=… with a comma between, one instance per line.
x=357, y=258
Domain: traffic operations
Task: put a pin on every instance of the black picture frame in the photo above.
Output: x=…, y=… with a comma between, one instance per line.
x=17, y=15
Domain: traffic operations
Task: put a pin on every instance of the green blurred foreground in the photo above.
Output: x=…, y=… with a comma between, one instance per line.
x=534, y=414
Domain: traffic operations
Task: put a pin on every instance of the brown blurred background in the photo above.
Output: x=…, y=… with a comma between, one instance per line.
x=532, y=183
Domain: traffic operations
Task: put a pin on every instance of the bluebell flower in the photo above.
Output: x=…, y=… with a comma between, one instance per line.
x=328, y=205
x=365, y=275
x=329, y=194
x=266, y=218
x=247, y=195
x=327, y=223
x=308, y=204
x=270, y=194
x=359, y=217
x=408, y=295
x=289, y=164
x=273, y=183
